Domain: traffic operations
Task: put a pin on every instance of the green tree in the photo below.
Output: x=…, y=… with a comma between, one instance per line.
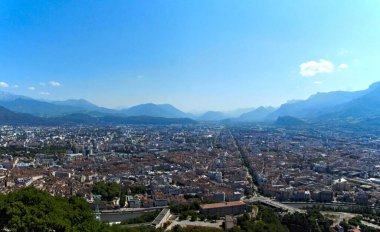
x=34, y=210
x=138, y=189
x=123, y=199
x=266, y=221
x=108, y=191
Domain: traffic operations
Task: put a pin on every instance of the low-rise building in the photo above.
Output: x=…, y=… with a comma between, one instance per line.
x=223, y=209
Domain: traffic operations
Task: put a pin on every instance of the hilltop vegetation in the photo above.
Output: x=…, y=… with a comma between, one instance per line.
x=33, y=210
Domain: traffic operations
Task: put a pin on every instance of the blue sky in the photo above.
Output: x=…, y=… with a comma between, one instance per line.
x=196, y=55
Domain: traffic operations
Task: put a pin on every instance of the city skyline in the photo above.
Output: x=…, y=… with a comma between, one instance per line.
x=224, y=57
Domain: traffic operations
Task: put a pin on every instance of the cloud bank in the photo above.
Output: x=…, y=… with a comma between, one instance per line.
x=312, y=68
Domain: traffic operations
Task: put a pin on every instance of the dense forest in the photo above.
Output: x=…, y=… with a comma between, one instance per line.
x=33, y=210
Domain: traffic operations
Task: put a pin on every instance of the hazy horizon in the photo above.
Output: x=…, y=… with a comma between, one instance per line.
x=192, y=111
x=196, y=55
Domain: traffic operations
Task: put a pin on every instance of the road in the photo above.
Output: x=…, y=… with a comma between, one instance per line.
x=276, y=204
x=186, y=223
x=263, y=200
x=131, y=210
x=371, y=225
x=243, y=160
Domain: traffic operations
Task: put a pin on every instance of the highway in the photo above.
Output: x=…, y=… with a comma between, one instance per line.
x=275, y=204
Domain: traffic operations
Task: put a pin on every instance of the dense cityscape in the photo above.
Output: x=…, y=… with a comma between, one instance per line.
x=154, y=167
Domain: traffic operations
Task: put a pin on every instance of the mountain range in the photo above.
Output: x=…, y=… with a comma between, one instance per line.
x=8, y=117
x=337, y=105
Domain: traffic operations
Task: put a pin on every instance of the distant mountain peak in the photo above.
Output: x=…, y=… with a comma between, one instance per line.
x=76, y=102
x=212, y=116
x=374, y=86
x=154, y=110
x=258, y=114
x=6, y=96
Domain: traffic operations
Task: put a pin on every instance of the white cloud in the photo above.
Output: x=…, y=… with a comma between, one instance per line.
x=16, y=86
x=343, y=66
x=55, y=83
x=32, y=88
x=44, y=93
x=312, y=68
x=318, y=82
x=4, y=84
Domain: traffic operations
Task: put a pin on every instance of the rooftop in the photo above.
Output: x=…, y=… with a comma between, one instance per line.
x=223, y=204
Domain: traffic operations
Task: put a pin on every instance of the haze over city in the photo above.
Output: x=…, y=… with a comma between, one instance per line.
x=195, y=55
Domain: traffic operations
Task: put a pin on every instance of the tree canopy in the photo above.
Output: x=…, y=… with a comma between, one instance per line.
x=34, y=210
x=108, y=190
